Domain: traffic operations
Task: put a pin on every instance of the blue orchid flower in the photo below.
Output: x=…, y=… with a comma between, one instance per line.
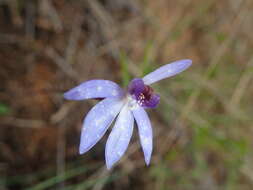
x=128, y=105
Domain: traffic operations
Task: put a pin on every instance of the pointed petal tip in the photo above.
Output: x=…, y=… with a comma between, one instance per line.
x=147, y=161
x=71, y=95
x=82, y=151
x=186, y=62
x=108, y=166
x=66, y=96
x=83, y=148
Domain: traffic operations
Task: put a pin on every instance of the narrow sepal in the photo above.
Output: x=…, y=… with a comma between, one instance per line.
x=94, y=89
x=166, y=71
x=98, y=121
x=145, y=132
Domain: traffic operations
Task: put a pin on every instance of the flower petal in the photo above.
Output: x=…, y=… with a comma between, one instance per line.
x=145, y=132
x=119, y=138
x=98, y=121
x=167, y=71
x=94, y=89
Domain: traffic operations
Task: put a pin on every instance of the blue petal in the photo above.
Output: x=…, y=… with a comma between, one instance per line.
x=145, y=132
x=167, y=71
x=119, y=138
x=98, y=121
x=94, y=89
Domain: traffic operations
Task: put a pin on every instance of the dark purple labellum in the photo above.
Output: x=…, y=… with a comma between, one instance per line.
x=144, y=94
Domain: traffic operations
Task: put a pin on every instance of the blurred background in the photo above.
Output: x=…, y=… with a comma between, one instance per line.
x=202, y=127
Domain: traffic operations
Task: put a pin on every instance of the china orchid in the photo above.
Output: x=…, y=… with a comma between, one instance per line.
x=129, y=105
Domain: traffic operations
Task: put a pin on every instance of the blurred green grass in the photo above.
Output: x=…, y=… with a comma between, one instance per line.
x=4, y=109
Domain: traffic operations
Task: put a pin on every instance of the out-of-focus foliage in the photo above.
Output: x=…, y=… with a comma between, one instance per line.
x=3, y=109
x=202, y=127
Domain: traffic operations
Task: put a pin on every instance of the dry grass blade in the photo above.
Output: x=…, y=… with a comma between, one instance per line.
x=107, y=24
x=207, y=85
x=62, y=64
x=23, y=123
x=242, y=85
x=236, y=25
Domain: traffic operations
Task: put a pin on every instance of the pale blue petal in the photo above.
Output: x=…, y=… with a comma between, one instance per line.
x=94, y=89
x=167, y=71
x=145, y=132
x=98, y=121
x=119, y=138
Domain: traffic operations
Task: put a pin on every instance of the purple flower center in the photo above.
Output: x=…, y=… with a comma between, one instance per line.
x=144, y=94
